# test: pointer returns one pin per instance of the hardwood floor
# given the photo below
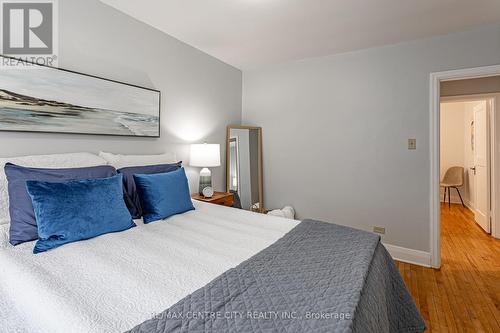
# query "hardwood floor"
(464, 295)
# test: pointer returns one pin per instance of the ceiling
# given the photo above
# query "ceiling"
(253, 33)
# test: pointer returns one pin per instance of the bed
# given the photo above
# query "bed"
(133, 279)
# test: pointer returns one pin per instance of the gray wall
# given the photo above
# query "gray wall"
(200, 94)
(335, 131)
(484, 85)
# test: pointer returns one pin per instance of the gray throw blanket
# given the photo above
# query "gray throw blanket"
(319, 277)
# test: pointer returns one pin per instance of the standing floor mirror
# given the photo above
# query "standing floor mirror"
(244, 166)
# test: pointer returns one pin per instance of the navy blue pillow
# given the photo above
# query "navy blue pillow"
(23, 227)
(77, 210)
(131, 196)
(163, 194)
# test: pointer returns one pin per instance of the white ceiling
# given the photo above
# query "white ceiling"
(251, 33)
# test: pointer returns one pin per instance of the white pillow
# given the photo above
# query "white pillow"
(122, 161)
(71, 160)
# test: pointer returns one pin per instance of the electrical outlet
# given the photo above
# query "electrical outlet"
(379, 230)
(412, 144)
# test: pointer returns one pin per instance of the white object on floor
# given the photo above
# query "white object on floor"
(121, 161)
(113, 282)
(255, 207)
(286, 212)
(71, 160)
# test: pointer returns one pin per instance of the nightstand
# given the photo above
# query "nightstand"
(219, 198)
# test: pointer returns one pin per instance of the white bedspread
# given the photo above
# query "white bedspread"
(115, 281)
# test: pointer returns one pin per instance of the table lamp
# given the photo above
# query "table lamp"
(205, 156)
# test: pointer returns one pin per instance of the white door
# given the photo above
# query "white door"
(481, 170)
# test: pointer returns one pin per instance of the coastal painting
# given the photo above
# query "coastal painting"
(46, 99)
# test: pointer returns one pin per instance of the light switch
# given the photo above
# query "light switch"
(412, 144)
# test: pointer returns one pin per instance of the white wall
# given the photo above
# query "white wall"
(200, 94)
(453, 143)
(335, 131)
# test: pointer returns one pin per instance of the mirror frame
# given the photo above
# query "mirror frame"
(259, 130)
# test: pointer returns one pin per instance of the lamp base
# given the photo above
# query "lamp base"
(205, 179)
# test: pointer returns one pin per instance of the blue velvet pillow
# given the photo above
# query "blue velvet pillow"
(131, 196)
(23, 227)
(77, 210)
(163, 194)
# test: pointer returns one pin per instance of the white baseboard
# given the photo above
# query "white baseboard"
(458, 202)
(410, 256)
(453, 201)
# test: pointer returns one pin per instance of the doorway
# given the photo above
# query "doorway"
(466, 133)
(436, 79)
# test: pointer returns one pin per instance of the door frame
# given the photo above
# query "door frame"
(434, 137)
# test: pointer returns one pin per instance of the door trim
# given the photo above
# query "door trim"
(434, 118)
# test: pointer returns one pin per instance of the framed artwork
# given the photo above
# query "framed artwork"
(36, 98)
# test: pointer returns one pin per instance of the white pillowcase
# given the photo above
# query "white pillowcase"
(4, 236)
(122, 161)
(55, 161)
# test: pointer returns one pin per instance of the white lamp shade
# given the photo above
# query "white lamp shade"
(205, 155)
